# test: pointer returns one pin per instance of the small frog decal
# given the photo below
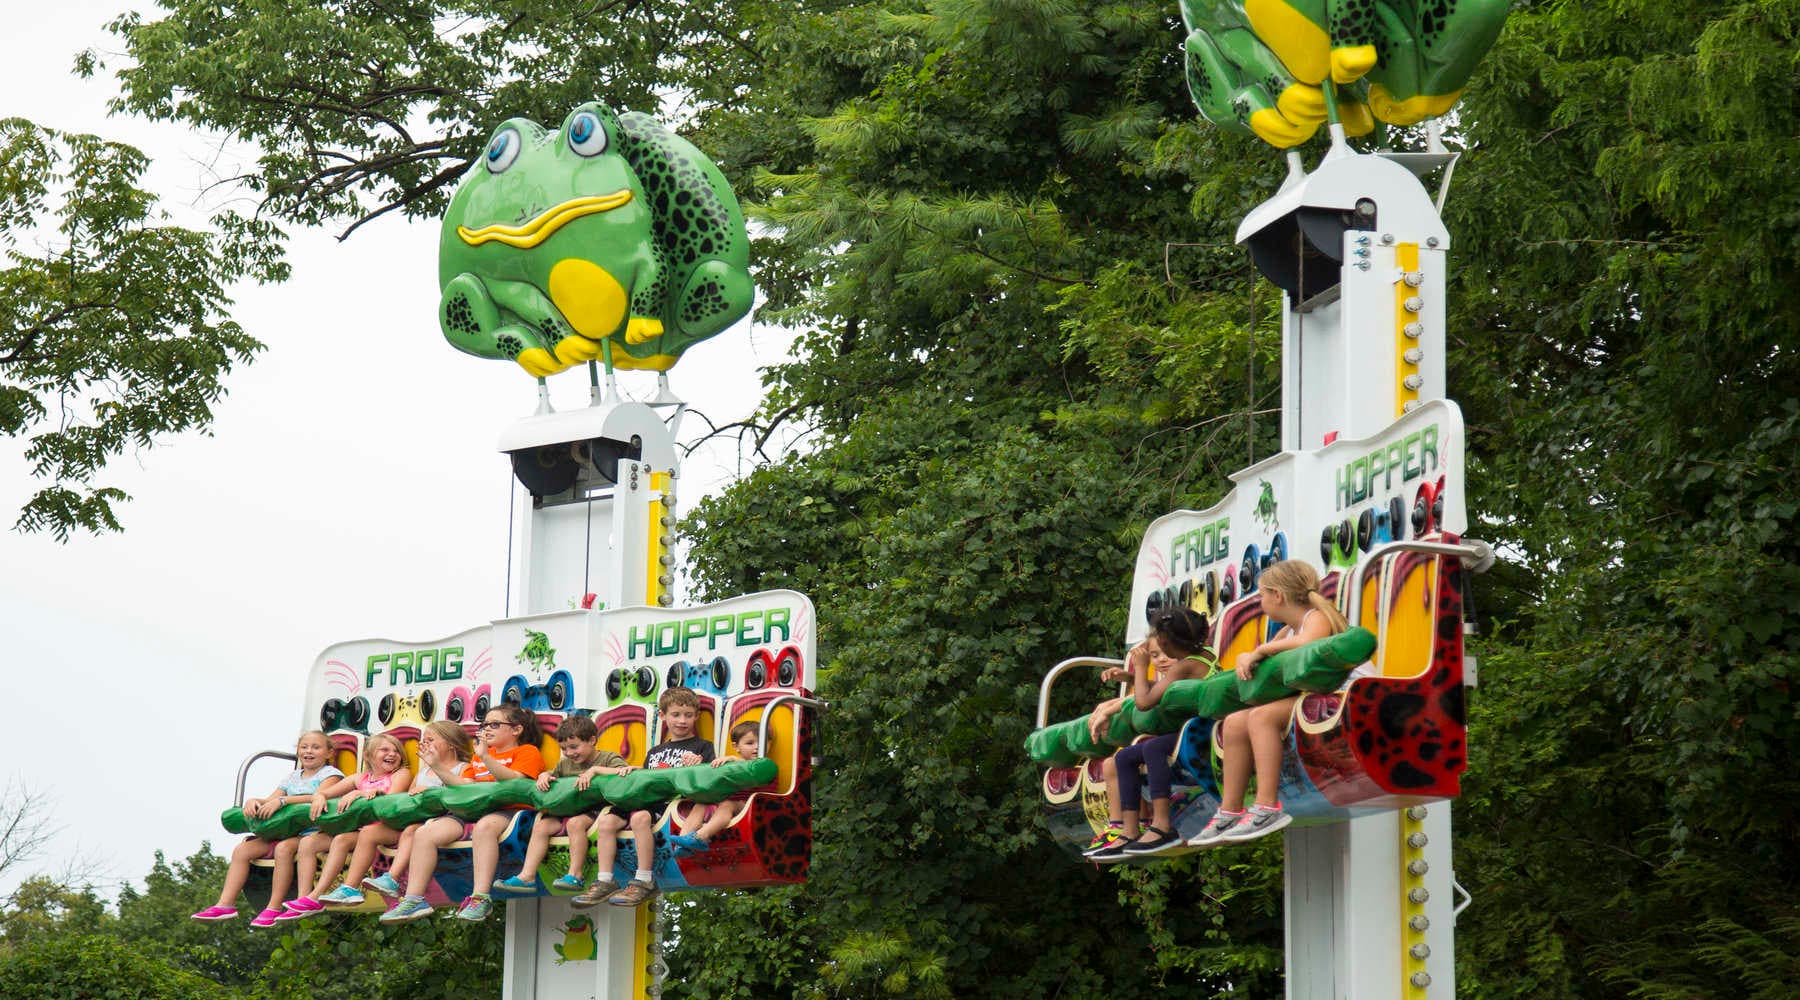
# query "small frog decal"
(1265, 506)
(537, 651)
(579, 941)
(608, 238)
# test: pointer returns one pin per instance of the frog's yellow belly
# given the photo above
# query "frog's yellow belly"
(591, 300)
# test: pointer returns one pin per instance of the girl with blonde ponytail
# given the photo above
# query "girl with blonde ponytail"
(1253, 736)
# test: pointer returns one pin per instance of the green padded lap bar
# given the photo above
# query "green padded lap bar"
(287, 821)
(348, 819)
(1316, 666)
(703, 783)
(473, 801)
(401, 811)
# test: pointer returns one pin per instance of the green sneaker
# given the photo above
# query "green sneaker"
(409, 908)
(475, 908)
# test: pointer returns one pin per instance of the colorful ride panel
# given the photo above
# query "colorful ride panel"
(612, 665)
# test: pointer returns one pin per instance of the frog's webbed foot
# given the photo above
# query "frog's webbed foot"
(475, 324)
(640, 329)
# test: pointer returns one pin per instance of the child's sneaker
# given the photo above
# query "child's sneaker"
(216, 913)
(343, 895)
(633, 894)
(300, 909)
(383, 884)
(1216, 828)
(595, 894)
(409, 908)
(266, 919)
(514, 886)
(475, 908)
(1258, 822)
(686, 844)
(1104, 842)
(567, 884)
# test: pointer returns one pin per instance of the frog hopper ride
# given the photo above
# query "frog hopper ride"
(610, 239)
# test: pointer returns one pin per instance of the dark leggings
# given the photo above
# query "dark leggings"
(1153, 756)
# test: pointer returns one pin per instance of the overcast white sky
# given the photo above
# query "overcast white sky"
(350, 489)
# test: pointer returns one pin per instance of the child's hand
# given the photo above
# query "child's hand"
(1246, 665)
(1111, 674)
(318, 805)
(728, 758)
(543, 782)
(689, 758)
(1139, 656)
(265, 808)
(583, 780)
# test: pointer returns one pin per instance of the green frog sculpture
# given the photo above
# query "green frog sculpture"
(1278, 69)
(610, 238)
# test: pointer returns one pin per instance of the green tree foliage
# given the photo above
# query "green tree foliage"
(1006, 241)
(77, 966)
(113, 332)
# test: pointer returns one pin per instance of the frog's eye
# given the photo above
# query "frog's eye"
(586, 136)
(502, 151)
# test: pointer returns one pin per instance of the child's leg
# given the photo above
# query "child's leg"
(368, 840)
(643, 834)
(718, 821)
(541, 831)
(311, 846)
(403, 850)
(434, 834)
(284, 871)
(1157, 774)
(1268, 726)
(1115, 813)
(1126, 763)
(485, 846)
(606, 842)
(577, 828)
(1234, 750)
(247, 850)
(341, 846)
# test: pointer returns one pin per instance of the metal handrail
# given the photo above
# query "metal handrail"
(1043, 712)
(244, 769)
(762, 729)
(1476, 556)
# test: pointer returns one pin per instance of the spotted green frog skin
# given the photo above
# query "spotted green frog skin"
(609, 237)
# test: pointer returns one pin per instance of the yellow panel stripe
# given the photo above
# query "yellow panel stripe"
(653, 588)
(640, 952)
(1406, 255)
(1409, 965)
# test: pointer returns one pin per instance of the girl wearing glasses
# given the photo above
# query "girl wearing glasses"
(506, 749)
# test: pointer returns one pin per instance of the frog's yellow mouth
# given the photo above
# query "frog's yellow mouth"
(546, 223)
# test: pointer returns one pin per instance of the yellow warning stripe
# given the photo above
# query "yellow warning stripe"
(1406, 255)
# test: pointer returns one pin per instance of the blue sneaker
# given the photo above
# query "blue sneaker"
(515, 886)
(409, 908)
(383, 884)
(475, 908)
(343, 895)
(567, 883)
(685, 844)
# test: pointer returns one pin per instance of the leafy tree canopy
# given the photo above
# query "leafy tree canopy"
(113, 332)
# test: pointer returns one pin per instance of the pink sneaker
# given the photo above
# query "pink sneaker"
(216, 913)
(266, 918)
(304, 904)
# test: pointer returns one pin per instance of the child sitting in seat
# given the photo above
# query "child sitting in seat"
(506, 749)
(384, 771)
(311, 753)
(680, 711)
(442, 744)
(584, 762)
(1290, 595)
(1176, 646)
(711, 819)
